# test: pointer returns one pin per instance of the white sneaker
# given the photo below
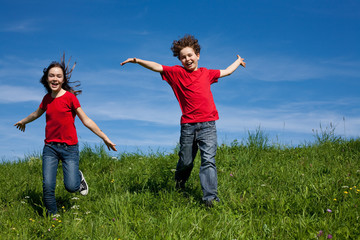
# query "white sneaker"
(84, 188)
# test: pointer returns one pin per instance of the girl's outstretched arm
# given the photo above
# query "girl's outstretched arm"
(153, 66)
(21, 125)
(90, 124)
(230, 69)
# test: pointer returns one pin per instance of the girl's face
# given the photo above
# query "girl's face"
(189, 58)
(55, 79)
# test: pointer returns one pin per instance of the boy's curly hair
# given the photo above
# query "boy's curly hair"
(186, 41)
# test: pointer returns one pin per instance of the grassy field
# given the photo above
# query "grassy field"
(267, 192)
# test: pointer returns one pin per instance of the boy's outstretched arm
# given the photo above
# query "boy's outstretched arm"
(230, 69)
(153, 66)
(90, 124)
(21, 125)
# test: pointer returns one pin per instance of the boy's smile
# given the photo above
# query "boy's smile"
(189, 58)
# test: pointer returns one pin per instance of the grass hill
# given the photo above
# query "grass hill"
(267, 192)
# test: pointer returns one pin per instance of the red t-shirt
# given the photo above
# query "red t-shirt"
(60, 118)
(192, 90)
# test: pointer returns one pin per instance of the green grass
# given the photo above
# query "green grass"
(266, 192)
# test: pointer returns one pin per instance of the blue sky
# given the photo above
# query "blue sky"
(302, 68)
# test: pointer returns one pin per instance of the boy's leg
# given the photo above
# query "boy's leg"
(187, 154)
(49, 169)
(207, 139)
(70, 163)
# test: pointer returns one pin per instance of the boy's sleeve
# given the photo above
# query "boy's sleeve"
(169, 73)
(214, 75)
(166, 73)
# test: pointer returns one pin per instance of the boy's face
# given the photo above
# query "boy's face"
(189, 58)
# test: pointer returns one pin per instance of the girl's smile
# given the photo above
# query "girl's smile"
(55, 79)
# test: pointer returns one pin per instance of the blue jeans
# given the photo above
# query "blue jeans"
(201, 136)
(52, 154)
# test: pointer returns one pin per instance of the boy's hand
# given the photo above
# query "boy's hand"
(242, 63)
(131, 60)
(21, 126)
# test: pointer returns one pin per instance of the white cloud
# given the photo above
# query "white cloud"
(12, 94)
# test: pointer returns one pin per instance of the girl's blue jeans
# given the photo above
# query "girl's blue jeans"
(52, 154)
(201, 136)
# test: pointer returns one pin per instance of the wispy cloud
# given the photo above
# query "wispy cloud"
(284, 68)
(12, 94)
(23, 26)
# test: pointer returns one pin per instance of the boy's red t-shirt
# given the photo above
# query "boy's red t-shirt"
(60, 118)
(192, 90)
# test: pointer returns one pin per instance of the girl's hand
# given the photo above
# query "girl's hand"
(242, 63)
(131, 60)
(110, 145)
(21, 126)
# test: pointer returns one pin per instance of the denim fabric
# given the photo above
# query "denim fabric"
(201, 136)
(52, 154)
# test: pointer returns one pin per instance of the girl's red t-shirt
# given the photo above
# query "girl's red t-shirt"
(193, 92)
(60, 118)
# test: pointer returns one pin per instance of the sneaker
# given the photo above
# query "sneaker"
(84, 188)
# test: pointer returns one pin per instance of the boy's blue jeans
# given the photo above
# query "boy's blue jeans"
(52, 153)
(201, 136)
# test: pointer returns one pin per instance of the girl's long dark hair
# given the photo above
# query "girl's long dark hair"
(67, 75)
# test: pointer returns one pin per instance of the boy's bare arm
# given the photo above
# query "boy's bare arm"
(156, 67)
(230, 69)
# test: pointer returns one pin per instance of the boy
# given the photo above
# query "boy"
(191, 86)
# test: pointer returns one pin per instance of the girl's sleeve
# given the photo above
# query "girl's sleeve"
(44, 103)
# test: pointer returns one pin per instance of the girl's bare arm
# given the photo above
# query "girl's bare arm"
(21, 125)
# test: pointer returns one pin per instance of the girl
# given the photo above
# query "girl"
(61, 142)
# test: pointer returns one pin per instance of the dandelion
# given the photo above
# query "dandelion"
(335, 199)
(59, 221)
(320, 233)
(329, 210)
(53, 225)
(112, 180)
(329, 236)
(345, 192)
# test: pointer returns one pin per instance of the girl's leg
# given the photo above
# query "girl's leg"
(49, 168)
(70, 163)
